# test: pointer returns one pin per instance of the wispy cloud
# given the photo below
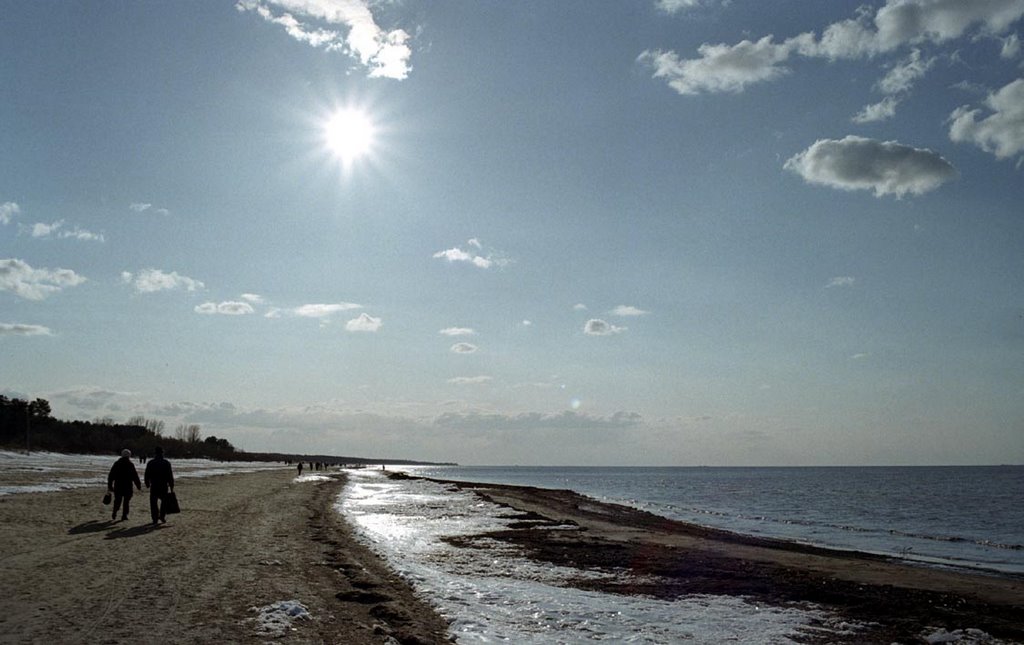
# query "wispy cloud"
(153, 280)
(536, 420)
(628, 310)
(227, 308)
(598, 327)
(457, 331)
(470, 380)
(59, 230)
(254, 298)
(579, 306)
(347, 26)
(18, 277)
(15, 329)
(463, 348)
(675, 6)
(365, 322)
(1001, 133)
(841, 281)
(7, 212)
(885, 167)
(142, 207)
(321, 310)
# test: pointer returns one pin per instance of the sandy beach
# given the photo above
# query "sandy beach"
(265, 540)
(243, 541)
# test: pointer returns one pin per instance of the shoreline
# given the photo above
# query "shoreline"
(894, 600)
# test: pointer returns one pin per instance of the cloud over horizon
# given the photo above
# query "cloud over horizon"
(17, 329)
(227, 308)
(463, 348)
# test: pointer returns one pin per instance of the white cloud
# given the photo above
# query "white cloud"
(457, 331)
(14, 329)
(885, 167)
(1000, 133)
(153, 280)
(254, 298)
(7, 211)
(598, 327)
(320, 23)
(628, 310)
(841, 281)
(323, 310)
(227, 308)
(909, 22)
(469, 380)
(579, 307)
(731, 68)
(455, 254)
(364, 322)
(884, 109)
(34, 284)
(464, 348)
(527, 323)
(721, 68)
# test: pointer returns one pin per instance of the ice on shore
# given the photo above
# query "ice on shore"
(276, 618)
(490, 592)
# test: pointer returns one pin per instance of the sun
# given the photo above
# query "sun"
(349, 134)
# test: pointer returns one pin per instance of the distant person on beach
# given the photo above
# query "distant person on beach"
(120, 481)
(159, 481)
(300, 467)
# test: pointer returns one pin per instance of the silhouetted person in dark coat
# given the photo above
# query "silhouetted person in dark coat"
(120, 481)
(159, 481)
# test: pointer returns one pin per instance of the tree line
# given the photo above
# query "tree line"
(30, 425)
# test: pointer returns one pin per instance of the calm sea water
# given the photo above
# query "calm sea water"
(950, 515)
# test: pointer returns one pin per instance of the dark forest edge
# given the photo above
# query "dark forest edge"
(29, 425)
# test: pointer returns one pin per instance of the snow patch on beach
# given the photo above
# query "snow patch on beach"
(302, 479)
(276, 618)
(491, 592)
(46, 472)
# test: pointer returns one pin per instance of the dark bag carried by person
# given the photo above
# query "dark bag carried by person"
(170, 504)
(106, 497)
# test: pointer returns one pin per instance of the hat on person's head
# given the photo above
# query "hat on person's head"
(126, 453)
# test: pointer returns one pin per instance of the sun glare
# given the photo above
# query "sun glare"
(349, 135)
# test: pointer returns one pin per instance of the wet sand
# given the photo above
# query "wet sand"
(70, 575)
(894, 601)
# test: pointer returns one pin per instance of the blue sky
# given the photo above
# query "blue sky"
(669, 232)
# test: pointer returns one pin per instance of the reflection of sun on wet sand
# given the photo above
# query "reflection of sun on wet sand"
(252, 556)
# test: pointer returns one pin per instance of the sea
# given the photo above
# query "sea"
(957, 517)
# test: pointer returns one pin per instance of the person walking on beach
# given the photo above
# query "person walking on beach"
(300, 468)
(120, 481)
(159, 481)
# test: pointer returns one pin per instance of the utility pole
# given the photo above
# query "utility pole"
(28, 426)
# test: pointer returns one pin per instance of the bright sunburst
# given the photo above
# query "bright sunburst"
(349, 134)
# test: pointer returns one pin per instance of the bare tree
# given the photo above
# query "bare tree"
(187, 432)
(137, 420)
(156, 426)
